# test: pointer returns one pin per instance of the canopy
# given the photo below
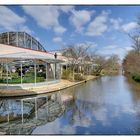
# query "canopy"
(10, 53)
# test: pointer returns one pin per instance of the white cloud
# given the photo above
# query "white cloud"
(66, 8)
(129, 26)
(114, 49)
(59, 29)
(57, 39)
(47, 17)
(99, 25)
(116, 23)
(10, 20)
(80, 18)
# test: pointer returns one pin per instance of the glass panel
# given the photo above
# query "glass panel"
(4, 38)
(39, 47)
(21, 40)
(28, 41)
(34, 44)
(12, 38)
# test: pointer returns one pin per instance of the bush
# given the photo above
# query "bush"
(40, 79)
(41, 74)
(15, 75)
(14, 81)
(29, 74)
(79, 77)
(66, 74)
(24, 80)
(136, 77)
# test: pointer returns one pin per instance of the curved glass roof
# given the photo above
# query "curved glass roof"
(21, 39)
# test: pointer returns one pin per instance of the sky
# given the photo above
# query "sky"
(104, 28)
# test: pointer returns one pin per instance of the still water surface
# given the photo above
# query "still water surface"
(108, 105)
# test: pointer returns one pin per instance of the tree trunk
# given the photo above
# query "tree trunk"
(73, 73)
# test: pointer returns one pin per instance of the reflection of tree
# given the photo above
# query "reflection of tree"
(134, 89)
(85, 106)
(75, 113)
(135, 94)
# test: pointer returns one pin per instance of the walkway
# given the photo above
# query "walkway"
(42, 88)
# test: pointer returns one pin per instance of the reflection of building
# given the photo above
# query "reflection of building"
(23, 115)
(24, 60)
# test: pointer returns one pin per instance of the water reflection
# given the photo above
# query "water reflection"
(109, 105)
(104, 106)
(21, 116)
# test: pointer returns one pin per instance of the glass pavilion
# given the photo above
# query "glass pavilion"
(24, 60)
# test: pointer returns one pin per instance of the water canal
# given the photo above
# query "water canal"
(108, 105)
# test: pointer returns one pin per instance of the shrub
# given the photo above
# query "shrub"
(14, 75)
(24, 80)
(66, 74)
(136, 77)
(41, 74)
(29, 74)
(14, 81)
(79, 77)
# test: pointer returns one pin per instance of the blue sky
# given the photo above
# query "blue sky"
(105, 28)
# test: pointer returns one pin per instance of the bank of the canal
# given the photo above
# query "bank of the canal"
(62, 84)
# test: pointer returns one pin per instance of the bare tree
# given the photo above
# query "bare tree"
(131, 63)
(75, 55)
(135, 42)
(113, 62)
(101, 62)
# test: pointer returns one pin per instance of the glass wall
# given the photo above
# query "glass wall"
(4, 38)
(12, 38)
(28, 42)
(21, 39)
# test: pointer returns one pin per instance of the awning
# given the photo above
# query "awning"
(9, 53)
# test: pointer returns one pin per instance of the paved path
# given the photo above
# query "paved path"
(41, 89)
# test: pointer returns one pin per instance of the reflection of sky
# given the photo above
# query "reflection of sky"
(55, 127)
(113, 120)
(107, 108)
